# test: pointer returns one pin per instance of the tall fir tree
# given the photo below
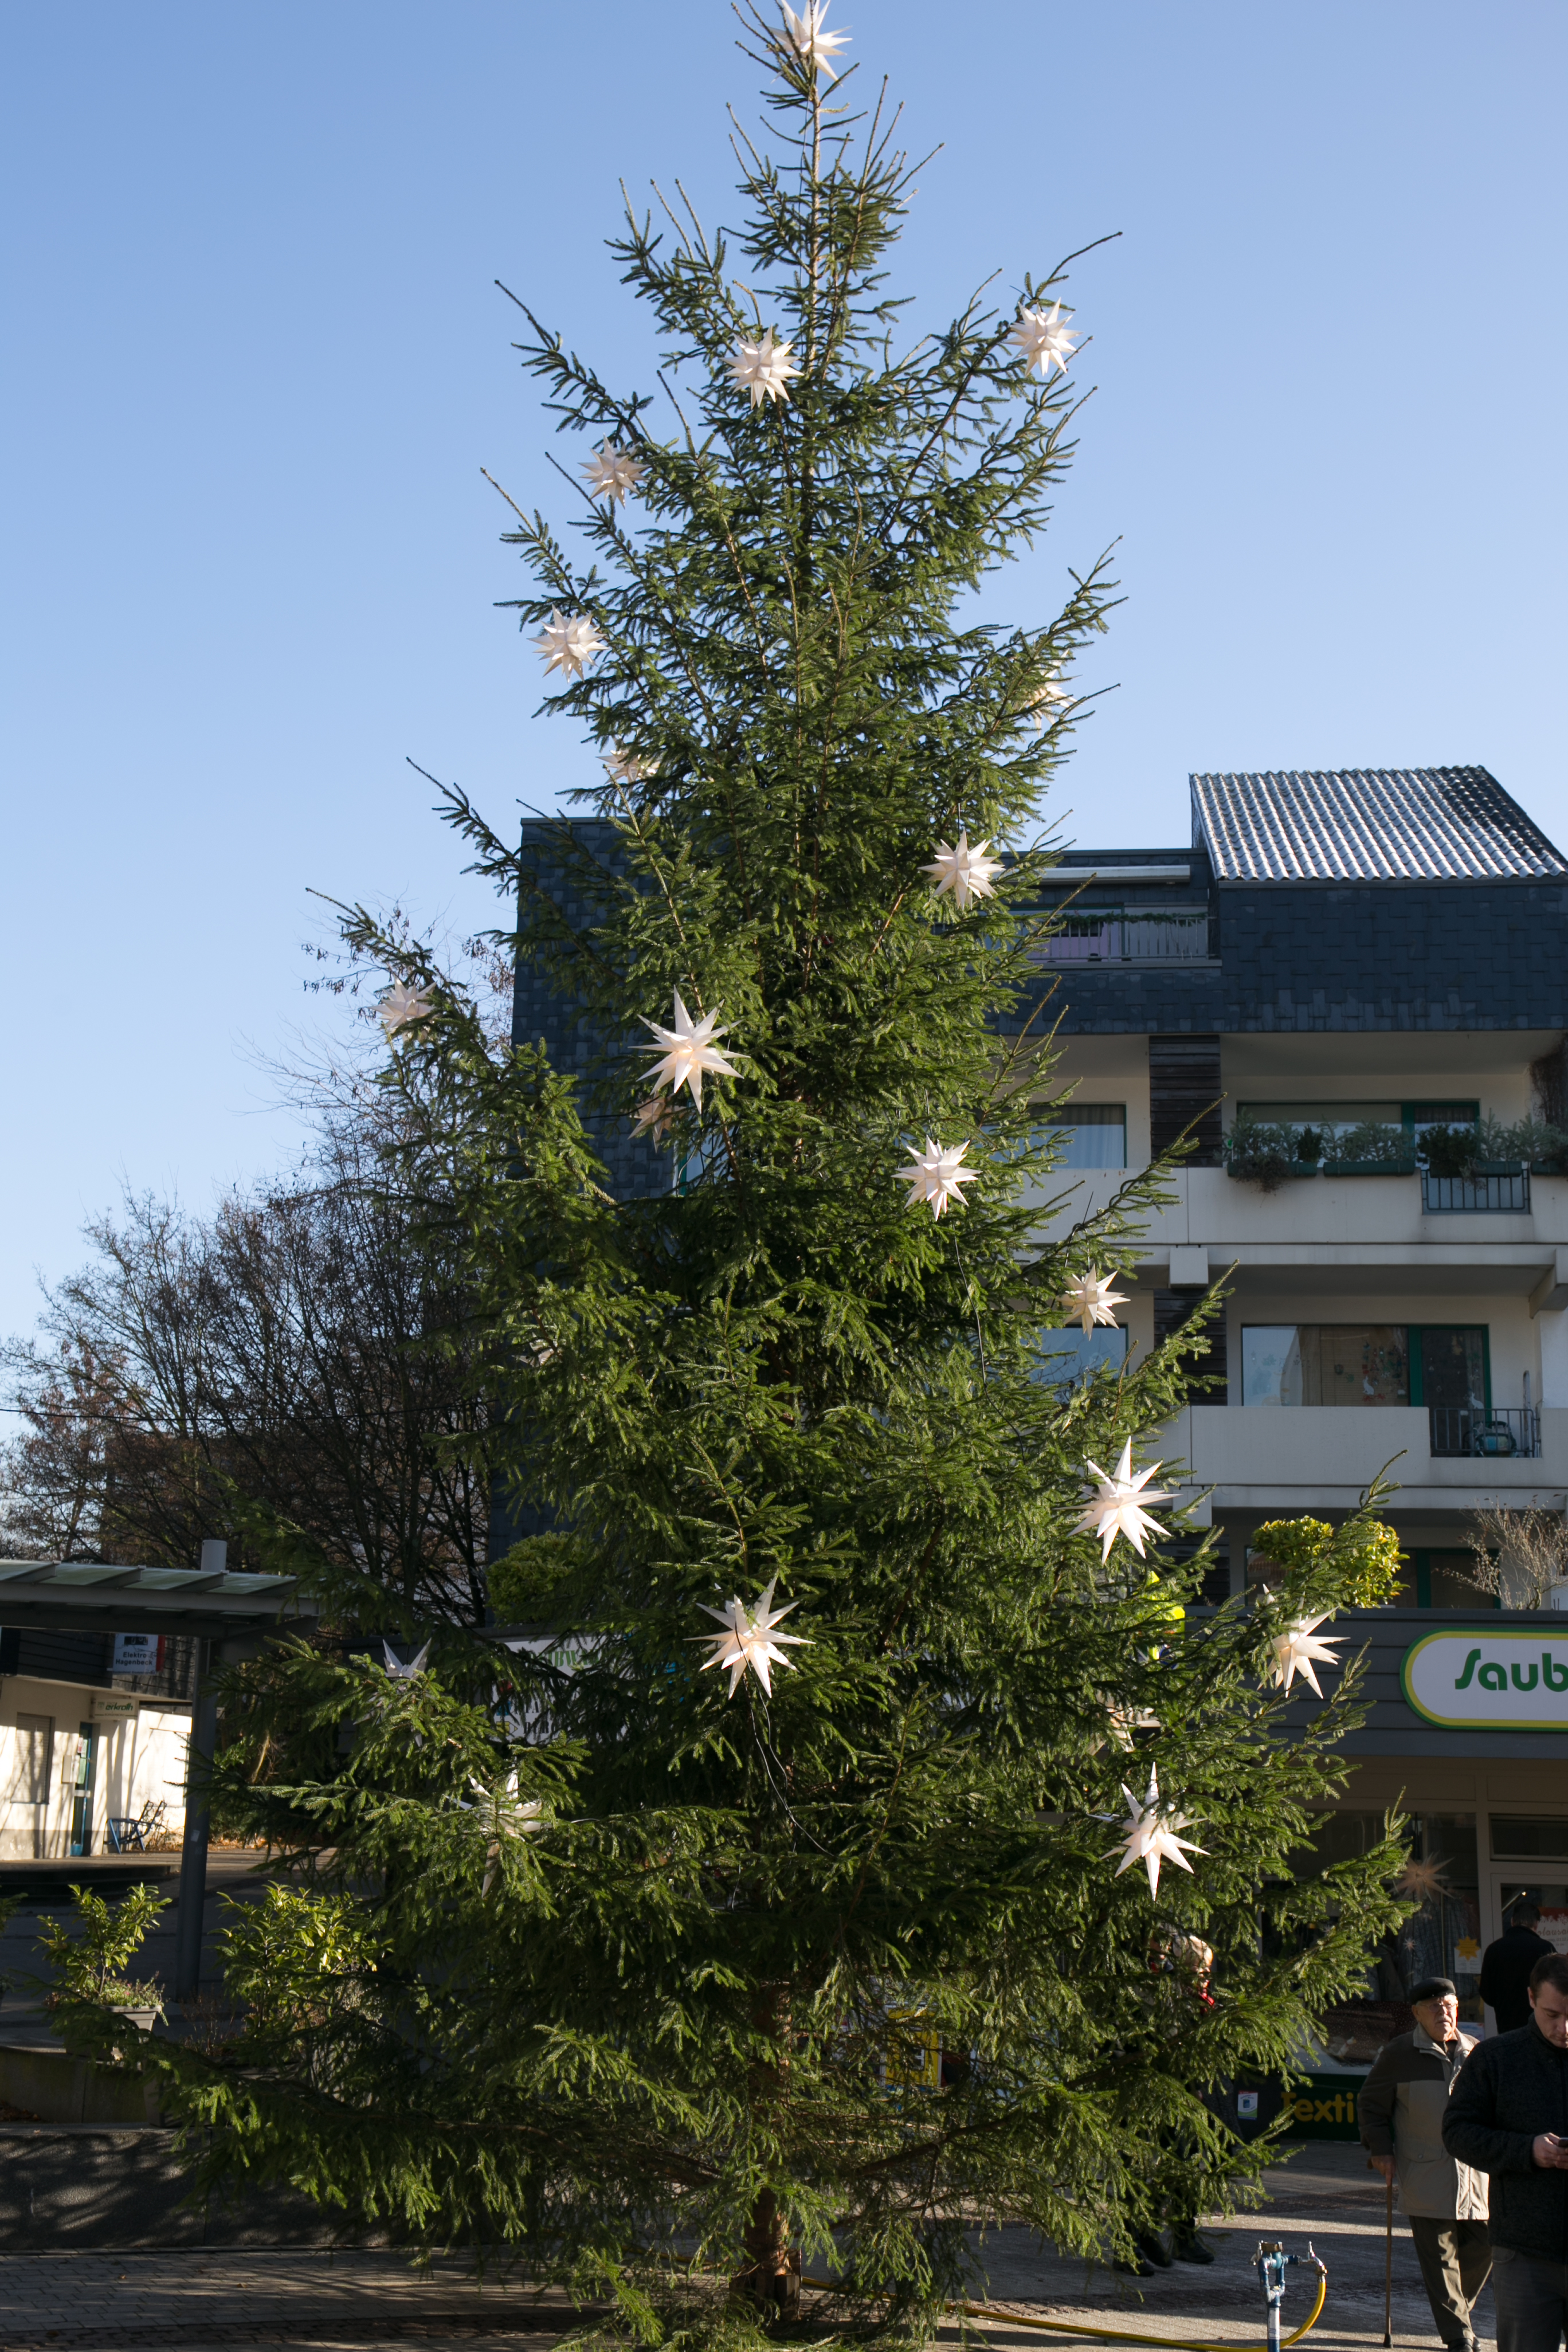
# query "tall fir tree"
(638, 1968)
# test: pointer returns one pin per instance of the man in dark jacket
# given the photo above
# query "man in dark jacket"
(1506, 1965)
(1401, 2107)
(1508, 2116)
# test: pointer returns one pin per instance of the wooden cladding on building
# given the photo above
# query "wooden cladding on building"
(1184, 1092)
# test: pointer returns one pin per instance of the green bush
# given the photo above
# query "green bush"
(527, 1581)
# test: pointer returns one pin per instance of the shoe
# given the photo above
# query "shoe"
(1151, 2248)
(1190, 2246)
(1136, 2268)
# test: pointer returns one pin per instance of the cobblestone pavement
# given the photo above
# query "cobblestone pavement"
(312, 2301)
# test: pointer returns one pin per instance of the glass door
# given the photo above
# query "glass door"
(81, 1799)
(1452, 1379)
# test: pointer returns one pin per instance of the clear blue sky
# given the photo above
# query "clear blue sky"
(257, 360)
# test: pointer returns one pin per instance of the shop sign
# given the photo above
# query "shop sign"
(1479, 1680)
(115, 1707)
(137, 1653)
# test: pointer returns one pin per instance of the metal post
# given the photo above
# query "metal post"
(194, 1851)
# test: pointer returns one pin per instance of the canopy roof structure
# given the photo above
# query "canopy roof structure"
(219, 1604)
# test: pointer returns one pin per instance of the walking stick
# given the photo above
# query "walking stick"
(1388, 2270)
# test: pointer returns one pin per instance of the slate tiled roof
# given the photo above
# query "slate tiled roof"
(1368, 824)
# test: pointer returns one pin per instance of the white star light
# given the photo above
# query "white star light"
(402, 1004)
(613, 473)
(1041, 701)
(629, 767)
(937, 1176)
(749, 1639)
(809, 39)
(1297, 1650)
(688, 1051)
(566, 645)
(967, 872)
(764, 368)
(656, 1117)
(1118, 1508)
(509, 1818)
(1151, 1835)
(1091, 1299)
(1045, 338)
(395, 1668)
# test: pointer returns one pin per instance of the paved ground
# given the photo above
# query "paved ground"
(316, 2302)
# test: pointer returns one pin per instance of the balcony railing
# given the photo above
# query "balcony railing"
(1501, 1433)
(1454, 1196)
(1121, 937)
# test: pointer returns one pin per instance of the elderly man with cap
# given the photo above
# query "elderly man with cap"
(1402, 2105)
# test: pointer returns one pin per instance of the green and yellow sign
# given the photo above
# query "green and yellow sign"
(1478, 1679)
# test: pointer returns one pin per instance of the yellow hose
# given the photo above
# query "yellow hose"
(1123, 2335)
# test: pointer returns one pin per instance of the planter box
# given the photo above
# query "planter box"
(1369, 1168)
(1244, 1174)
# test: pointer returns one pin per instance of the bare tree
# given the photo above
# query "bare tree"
(1520, 1556)
(303, 1348)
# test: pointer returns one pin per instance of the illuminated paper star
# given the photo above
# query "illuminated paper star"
(1423, 1878)
(1152, 1836)
(1091, 1299)
(1045, 338)
(655, 1116)
(967, 872)
(749, 1639)
(764, 368)
(1295, 1650)
(688, 1051)
(1117, 1507)
(937, 1176)
(809, 39)
(509, 1817)
(567, 644)
(395, 1668)
(629, 767)
(400, 1005)
(1042, 702)
(613, 472)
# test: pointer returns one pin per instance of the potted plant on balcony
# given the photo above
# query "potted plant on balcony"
(1267, 1153)
(1374, 1148)
(1453, 1153)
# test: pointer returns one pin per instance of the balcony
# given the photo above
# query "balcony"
(1476, 1196)
(1498, 1433)
(1289, 1459)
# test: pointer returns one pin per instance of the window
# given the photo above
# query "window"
(1067, 1358)
(31, 1758)
(1325, 1363)
(1092, 1135)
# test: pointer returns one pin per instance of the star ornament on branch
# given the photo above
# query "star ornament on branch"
(1091, 1298)
(688, 1051)
(655, 1116)
(569, 643)
(1045, 338)
(1046, 698)
(764, 369)
(396, 1668)
(1151, 1835)
(967, 872)
(629, 767)
(1425, 1878)
(937, 1176)
(1118, 1509)
(751, 1639)
(808, 38)
(612, 472)
(400, 1006)
(1297, 1650)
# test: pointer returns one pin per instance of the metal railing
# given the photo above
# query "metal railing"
(1451, 1196)
(1504, 1430)
(1119, 938)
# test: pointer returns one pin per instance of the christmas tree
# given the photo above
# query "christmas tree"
(832, 1864)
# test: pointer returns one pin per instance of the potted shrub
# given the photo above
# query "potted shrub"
(1374, 1148)
(1266, 1153)
(1454, 1153)
(90, 1953)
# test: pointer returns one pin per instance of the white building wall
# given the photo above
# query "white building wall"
(141, 1758)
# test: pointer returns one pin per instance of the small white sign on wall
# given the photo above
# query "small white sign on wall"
(137, 1654)
(1480, 1679)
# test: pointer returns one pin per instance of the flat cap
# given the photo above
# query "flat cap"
(1432, 1988)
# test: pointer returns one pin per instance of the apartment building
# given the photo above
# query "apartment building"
(1350, 988)
(1340, 987)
